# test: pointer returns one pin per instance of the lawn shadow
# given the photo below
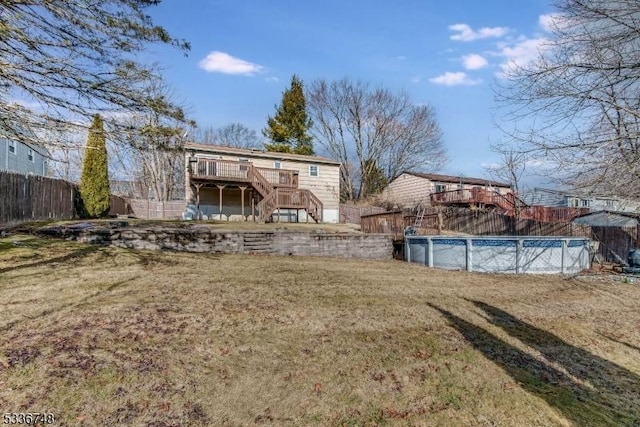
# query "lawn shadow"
(75, 255)
(603, 374)
(626, 344)
(579, 403)
(68, 305)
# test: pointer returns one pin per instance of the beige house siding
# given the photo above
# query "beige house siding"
(408, 191)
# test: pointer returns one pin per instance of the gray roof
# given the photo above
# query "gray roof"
(218, 149)
(608, 219)
(457, 179)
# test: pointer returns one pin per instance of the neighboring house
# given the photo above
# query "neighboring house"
(558, 198)
(413, 188)
(234, 183)
(19, 157)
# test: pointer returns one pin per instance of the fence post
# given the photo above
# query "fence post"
(407, 249)
(564, 256)
(519, 245)
(469, 255)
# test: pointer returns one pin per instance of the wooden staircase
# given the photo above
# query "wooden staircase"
(286, 198)
(291, 198)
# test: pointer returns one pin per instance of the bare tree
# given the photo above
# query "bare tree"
(512, 167)
(64, 61)
(150, 146)
(232, 135)
(582, 95)
(372, 132)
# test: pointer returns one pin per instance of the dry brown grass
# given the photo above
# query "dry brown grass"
(105, 336)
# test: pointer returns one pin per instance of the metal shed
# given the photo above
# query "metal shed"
(608, 219)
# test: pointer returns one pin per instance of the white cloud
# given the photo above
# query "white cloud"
(465, 33)
(474, 61)
(220, 62)
(454, 79)
(551, 21)
(415, 79)
(272, 79)
(522, 53)
(401, 58)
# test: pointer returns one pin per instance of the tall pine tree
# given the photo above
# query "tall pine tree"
(94, 182)
(288, 130)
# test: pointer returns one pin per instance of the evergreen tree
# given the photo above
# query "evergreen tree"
(288, 130)
(94, 182)
(373, 177)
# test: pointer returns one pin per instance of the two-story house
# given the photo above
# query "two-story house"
(559, 198)
(24, 158)
(237, 184)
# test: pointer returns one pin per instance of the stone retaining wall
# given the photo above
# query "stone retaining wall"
(281, 242)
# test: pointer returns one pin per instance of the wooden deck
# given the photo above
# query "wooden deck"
(509, 204)
(477, 196)
(240, 172)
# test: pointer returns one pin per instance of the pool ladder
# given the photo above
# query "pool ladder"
(419, 217)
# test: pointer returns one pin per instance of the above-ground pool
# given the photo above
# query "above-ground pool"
(500, 254)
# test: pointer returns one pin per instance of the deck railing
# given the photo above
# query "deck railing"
(228, 170)
(285, 178)
(225, 170)
(476, 196)
(291, 198)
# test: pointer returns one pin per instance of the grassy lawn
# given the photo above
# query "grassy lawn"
(105, 336)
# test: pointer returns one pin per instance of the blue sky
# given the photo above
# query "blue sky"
(447, 54)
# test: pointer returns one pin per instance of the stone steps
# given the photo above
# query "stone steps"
(258, 242)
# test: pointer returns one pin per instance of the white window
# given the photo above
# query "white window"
(30, 154)
(12, 147)
(441, 188)
(243, 160)
(277, 165)
(585, 203)
(314, 170)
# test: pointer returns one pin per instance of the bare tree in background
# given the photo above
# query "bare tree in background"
(511, 168)
(64, 61)
(150, 146)
(583, 97)
(234, 135)
(374, 133)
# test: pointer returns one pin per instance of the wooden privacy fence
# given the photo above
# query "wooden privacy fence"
(467, 221)
(32, 198)
(350, 214)
(614, 243)
(148, 209)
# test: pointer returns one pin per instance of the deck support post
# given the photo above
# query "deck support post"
(253, 206)
(198, 213)
(220, 187)
(242, 188)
